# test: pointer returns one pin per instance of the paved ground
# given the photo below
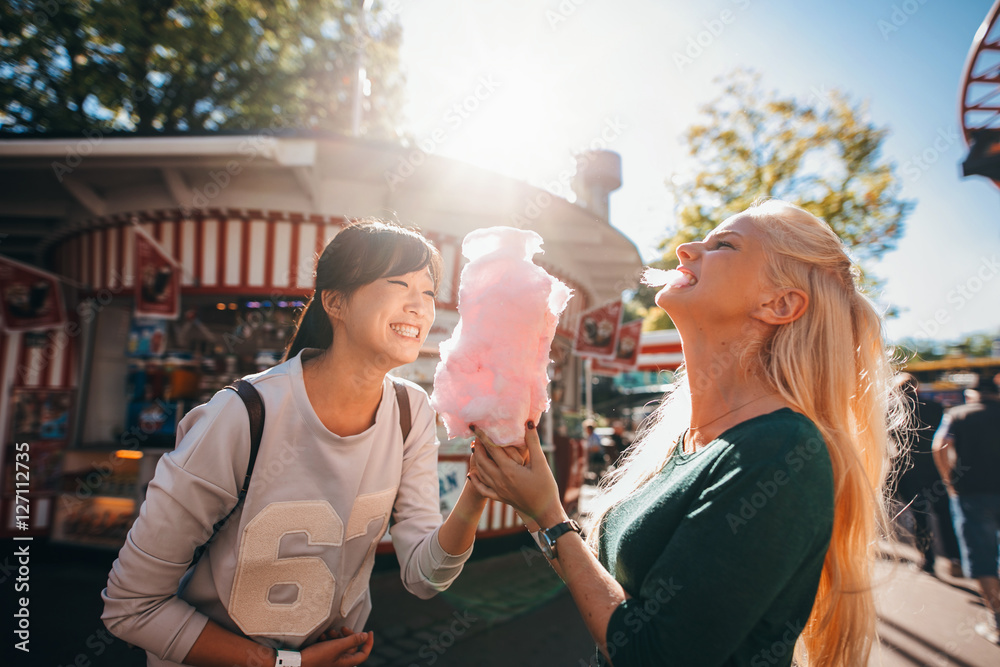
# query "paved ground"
(924, 621)
(502, 603)
(928, 621)
(505, 609)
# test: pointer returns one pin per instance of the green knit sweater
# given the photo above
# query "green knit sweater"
(721, 552)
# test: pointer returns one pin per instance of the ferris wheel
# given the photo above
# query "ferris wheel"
(980, 101)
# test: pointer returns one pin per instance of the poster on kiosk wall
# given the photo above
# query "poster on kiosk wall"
(626, 353)
(157, 279)
(627, 350)
(597, 331)
(30, 299)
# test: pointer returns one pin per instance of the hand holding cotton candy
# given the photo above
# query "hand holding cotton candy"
(492, 371)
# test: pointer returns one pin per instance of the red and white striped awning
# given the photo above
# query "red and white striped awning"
(219, 251)
(660, 350)
(242, 252)
(39, 359)
(36, 360)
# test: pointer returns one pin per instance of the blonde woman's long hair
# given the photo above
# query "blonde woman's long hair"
(831, 365)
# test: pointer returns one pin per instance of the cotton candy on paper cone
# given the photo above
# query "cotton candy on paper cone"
(492, 371)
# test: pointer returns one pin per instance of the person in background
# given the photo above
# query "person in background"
(741, 527)
(618, 442)
(595, 450)
(919, 485)
(967, 453)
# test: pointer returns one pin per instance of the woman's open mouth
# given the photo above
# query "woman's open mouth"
(677, 278)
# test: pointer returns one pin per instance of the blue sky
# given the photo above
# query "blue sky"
(547, 78)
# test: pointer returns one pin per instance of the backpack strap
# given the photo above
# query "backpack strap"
(255, 411)
(403, 400)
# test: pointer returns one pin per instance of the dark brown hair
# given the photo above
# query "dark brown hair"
(359, 254)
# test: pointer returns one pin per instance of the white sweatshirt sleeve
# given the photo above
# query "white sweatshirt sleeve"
(193, 487)
(425, 567)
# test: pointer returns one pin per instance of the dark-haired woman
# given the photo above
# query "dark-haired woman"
(287, 580)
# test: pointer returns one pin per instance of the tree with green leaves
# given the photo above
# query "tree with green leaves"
(197, 65)
(823, 154)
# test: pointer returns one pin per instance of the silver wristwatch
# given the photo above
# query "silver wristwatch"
(547, 538)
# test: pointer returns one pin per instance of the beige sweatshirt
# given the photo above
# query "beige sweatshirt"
(296, 558)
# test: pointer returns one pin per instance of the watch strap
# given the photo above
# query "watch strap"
(288, 659)
(550, 535)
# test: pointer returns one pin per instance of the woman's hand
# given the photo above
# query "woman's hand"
(472, 469)
(519, 455)
(526, 484)
(335, 634)
(339, 649)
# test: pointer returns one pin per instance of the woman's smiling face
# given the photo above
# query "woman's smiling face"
(390, 316)
(726, 275)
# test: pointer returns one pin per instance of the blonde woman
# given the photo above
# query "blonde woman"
(740, 528)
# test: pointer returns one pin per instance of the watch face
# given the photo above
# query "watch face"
(547, 546)
(549, 538)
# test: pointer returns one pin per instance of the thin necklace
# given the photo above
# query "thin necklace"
(709, 423)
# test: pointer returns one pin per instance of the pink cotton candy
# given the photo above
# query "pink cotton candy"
(492, 371)
(659, 277)
(655, 277)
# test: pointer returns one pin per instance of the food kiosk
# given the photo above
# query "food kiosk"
(241, 220)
